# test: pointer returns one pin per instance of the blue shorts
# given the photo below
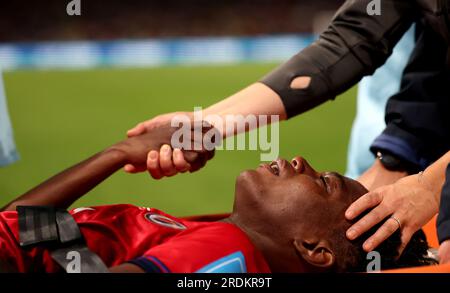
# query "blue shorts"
(373, 93)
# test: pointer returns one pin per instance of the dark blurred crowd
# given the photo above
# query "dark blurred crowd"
(35, 20)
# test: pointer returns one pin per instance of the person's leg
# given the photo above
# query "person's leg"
(373, 93)
(8, 153)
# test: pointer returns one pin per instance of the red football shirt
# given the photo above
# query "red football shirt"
(147, 237)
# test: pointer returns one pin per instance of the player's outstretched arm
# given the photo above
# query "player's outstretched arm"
(66, 187)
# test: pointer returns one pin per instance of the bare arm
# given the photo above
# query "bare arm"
(68, 186)
(434, 176)
(257, 99)
(377, 175)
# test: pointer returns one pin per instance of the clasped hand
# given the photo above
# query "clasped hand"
(152, 150)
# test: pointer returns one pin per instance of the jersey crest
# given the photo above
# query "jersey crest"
(164, 221)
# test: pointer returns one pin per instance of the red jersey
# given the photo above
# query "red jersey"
(147, 237)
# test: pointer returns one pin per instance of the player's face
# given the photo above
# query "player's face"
(291, 196)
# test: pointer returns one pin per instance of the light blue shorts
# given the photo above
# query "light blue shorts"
(373, 93)
(8, 153)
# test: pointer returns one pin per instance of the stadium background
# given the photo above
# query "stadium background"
(75, 84)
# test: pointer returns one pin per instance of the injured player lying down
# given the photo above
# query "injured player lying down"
(287, 217)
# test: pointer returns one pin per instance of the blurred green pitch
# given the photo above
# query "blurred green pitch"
(62, 117)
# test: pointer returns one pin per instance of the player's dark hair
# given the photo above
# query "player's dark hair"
(350, 256)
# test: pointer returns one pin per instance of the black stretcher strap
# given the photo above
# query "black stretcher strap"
(89, 261)
(68, 230)
(37, 225)
(57, 230)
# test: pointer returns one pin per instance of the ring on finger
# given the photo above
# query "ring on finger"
(397, 220)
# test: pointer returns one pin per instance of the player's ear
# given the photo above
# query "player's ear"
(316, 252)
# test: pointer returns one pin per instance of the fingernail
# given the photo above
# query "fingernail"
(166, 148)
(153, 155)
(367, 246)
(351, 234)
(348, 214)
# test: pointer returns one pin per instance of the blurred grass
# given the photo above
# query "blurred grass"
(62, 117)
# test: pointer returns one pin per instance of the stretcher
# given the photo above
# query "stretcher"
(429, 230)
(431, 234)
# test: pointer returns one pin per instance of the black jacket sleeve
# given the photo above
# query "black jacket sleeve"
(418, 116)
(354, 45)
(443, 221)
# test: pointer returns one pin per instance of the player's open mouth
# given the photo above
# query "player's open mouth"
(272, 167)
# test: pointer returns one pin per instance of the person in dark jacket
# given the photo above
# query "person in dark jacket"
(354, 45)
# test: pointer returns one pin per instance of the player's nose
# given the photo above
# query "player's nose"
(301, 166)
